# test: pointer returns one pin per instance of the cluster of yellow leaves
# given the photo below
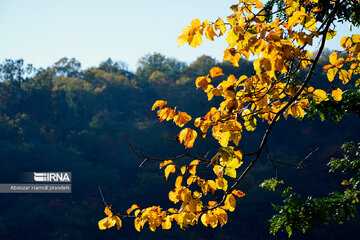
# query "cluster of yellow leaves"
(192, 208)
(167, 113)
(193, 34)
(110, 220)
(348, 66)
(280, 47)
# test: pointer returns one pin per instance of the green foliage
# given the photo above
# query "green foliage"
(270, 184)
(303, 215)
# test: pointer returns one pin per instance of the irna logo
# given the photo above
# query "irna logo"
(52, 177)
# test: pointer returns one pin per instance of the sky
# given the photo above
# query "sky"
(43, 31)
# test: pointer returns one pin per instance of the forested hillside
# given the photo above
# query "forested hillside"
(66, 118)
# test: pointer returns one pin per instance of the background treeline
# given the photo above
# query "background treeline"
(65, 118)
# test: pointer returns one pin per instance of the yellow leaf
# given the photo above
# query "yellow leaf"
(187, 136)
(257, 66)
(319, 95)
(109, 222)
(192, 167)
(183, 38)
(134, 206)
(178, 181)
(343, 75)
(137, 211)
(224, 138)
(164, 163)
(218, 170)
(182, 118)
(230, 203)
(331, 74)
(330, 34)
(202, 82)
(222, 216)
(183, 169)
(191, 179)
(158, 103)
(196, 40)
(337, 94)
(166, 114)
(137, 224)
(195, 23)
(250, 124)
(108, 211)
(259, 4)
(215, 72)
(204, 219)
(333, 58)
(238, 154)
(221, 183)
(232, 38)
(102, 222)
(295, 18)
(219, 24)
(238, 193)
(167, 223)
(210, 32)
(118, 222)
(169, 169)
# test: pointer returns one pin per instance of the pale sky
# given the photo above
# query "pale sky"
(43, 31)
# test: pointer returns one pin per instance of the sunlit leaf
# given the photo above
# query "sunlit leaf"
(182, 118)
(220, 25)
(187, 136)
(134, 206)
(169, 169)
(215, 72)
(337, 94)
(158, 103)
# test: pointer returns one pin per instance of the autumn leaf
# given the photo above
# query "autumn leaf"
(179, 181)
(202, 82)
(238, 193)
(164, 163)
(222, 184)
(320, 95)
(108, 211)
(210, 32)
(133, 207)
(192, 166)
(330, 34)
(191, 34)
(109, 221)
(166, 114)
(182, 118)
(137, 224)
(232, 38)
(220, 25)
(196, 40)
(230, 203)
(187, 136)
(169, 169)
(222, 216)
(337, 94)
(215, 72)
(159, 103)
(331, 74)
(167, 223)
